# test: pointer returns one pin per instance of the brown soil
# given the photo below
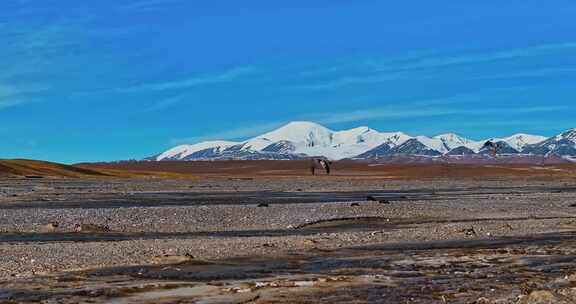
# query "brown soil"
(342, 168)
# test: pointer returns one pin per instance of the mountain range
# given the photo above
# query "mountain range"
(300, 140)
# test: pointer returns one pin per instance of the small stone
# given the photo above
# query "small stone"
(354, 205)
(90, 228)
(263, 205)
(482, 301)
(48, 228)
(173, 259)
(309, 242)
(540, 297)
(469, 231)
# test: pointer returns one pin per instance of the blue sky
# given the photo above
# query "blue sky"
(121, 79)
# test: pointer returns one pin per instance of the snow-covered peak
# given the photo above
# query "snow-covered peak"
(521, 140)
(302, 132)
(256, 144)
(182, 151)
(308, 139)
(356, 136)
(452, 141)
(452, 137)
(395, 138)
(568, 134)
(436, 144)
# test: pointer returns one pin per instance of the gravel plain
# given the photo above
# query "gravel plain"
(51, 229)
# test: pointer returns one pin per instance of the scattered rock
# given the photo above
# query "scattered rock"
(384, 202)
(310, 242)
(90, 228)
(571, 277)
(469, 231)
(354, 205)
(263, 205)
(540, 297)
(48, 228)
(173, 259)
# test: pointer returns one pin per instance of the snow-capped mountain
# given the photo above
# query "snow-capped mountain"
(563, 145)
(187, 151)
(452, 141)
(520, 141)
(298, 140)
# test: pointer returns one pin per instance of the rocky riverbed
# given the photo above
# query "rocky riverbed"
(288, 240)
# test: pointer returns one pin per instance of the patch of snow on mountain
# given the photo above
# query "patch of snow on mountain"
(433, 143)
(521, 140)
(182, 151)
(452, 141)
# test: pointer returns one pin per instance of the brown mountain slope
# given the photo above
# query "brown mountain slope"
(35, 168)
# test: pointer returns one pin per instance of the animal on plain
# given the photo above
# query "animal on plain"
(320, 163)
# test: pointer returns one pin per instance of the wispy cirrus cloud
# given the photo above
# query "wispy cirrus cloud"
(31, 51)
(165, 103)
(530, 73)
(424, 108)
(11, 96)
(244, 133)
(421, 65)
(233, 134)
(146, 5)
(395, 112)
(475, 58)
(194, 81)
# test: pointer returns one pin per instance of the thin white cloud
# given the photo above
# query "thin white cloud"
(146, 5)
(423, 66)
(223, 77)
(437, 62)
(395, 112)
(11, 96)
(412, 109)
(7, 103)
(164, 103)
(533, 73)
(244, 133)
(237, 133)
(374, 78)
